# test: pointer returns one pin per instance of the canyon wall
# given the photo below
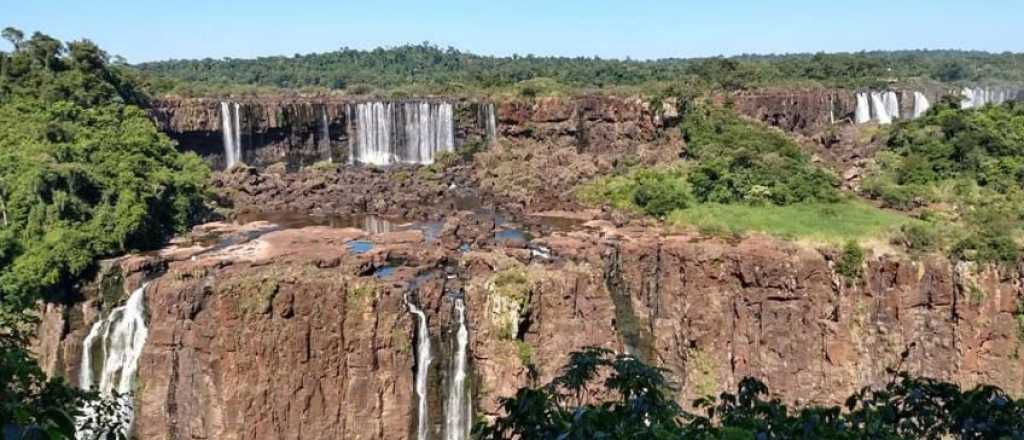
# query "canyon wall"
(299, 131)
(294, 334)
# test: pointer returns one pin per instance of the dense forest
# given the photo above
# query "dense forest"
(426, 68)
(84, 174)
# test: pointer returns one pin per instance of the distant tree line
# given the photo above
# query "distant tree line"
(426, 67)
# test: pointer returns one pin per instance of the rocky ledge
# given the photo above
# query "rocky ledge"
(259, 332)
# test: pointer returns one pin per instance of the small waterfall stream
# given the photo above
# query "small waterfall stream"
(488, 120)
(116, 342)
(325, 134)
(232, 133)
(458, 406)
(422, 369)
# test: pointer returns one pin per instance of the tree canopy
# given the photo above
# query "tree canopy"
(602, 395)
(449, 70)
(84, 174)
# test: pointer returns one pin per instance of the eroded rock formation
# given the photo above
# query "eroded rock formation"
(301, 333)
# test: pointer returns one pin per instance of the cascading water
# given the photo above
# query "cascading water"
(458, 406)
(892, 104)
(118, 341)
(232, 133)
(488, 120)
(325, 134)
(921, 105)
(401, 132)
(377, 225)
(980, 97)
(863, 113)
(879, 110)
(422, 368)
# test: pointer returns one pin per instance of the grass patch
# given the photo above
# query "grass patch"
(830, 223)
(525, 352)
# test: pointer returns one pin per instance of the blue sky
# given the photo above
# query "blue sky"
(146, 30)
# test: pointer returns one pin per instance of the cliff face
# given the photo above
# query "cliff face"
(296, 333)
(263, 331)
(302, 131)
(800, 111)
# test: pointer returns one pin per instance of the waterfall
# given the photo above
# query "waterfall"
(921, 104)
(863, 112)
(892, 104)
(878, 108)
(422, 368)
(488, 120)
(118, 339)
(377, 225)
(402, 132)
(458, 406)
(325, 133)
(232, 133)
(980, 97)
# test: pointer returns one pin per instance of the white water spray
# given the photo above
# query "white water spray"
(458, 406)
(118, 340)
(232, 133)
(422, 368)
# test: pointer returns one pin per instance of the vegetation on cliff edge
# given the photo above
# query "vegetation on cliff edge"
(84, 174)
(961, 171)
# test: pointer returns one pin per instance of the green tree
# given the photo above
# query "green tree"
(84, 174)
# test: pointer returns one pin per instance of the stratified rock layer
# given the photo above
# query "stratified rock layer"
(294, 335)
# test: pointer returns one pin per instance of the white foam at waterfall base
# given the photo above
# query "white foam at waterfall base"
(422, 369)
(863, 112)
(119, 339)
(458, 407)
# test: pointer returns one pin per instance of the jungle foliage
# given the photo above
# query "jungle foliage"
(429, 69)
(960, 167)
(84, 174)
(599, 395)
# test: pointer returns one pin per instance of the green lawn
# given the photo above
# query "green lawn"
(832, 223)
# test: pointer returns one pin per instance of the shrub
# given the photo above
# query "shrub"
(988, 245)
(658, 194)
(741, 161)
(851, 261)
(918, 237)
